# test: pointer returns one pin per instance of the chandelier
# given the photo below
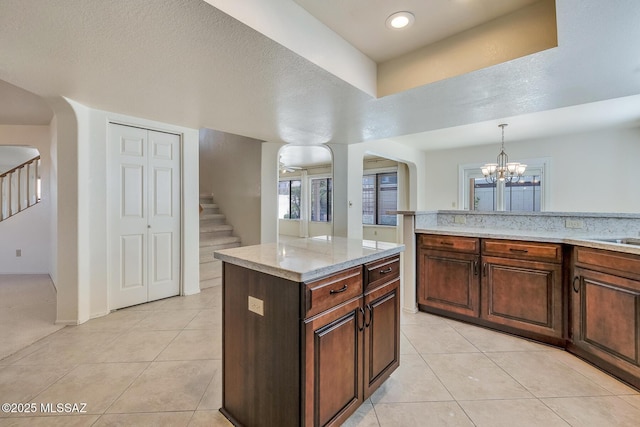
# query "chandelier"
(503, 170)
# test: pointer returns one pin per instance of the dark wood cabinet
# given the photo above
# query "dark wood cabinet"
(522, 288)
(514, 286)
(605, 311)
(333, 364)
(448, 274)
(381, 334)
(308, 354)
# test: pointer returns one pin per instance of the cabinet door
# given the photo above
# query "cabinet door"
(525, 295)
(381, 335)
(606, 318)
(449, 281)
(333, 364)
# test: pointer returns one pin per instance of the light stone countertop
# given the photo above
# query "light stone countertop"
(572, 238)
(307, 259)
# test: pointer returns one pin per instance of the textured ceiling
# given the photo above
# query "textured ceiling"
(187, 63)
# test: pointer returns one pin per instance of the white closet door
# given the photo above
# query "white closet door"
(144, 215)
(164, 215)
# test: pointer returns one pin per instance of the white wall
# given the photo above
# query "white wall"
(588, 172)
(269, 192)
(30, 230)
(230, 170)
(81, 249)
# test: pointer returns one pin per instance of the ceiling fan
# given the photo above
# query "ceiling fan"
(284, 168)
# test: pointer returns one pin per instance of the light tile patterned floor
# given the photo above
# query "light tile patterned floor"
(160, 364)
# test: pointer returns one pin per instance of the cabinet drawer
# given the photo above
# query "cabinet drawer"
(330, 291)
(449, 243)
(550, 252)
(382, 271)
(621, 264)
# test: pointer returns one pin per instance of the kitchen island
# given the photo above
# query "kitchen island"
(311, 327)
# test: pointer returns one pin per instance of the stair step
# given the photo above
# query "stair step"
(218, 240)
(210, 219)
(211, 270)
(206, 252)
(215, 229)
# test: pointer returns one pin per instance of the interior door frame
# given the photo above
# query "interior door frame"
(109, 166)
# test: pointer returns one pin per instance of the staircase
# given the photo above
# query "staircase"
(215, 234)
(19, 188)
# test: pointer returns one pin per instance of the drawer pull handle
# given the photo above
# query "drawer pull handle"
(521, 251)
(337, 291)
(388, 270)
(361, 328)
(475, 268)
(446, 243)
(573, 284)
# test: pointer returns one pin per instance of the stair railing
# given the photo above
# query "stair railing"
(20, 188)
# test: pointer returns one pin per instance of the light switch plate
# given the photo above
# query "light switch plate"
(256, 305)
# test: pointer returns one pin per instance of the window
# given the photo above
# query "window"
(526, 195)
(289, 199)
(321, 199)
(523, 195)
(379, 195)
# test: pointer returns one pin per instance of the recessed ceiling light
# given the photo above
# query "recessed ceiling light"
(400, 20)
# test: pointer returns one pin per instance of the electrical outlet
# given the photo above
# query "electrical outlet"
(18, 252)
(460, 219)
(256, 306)
(574, 223)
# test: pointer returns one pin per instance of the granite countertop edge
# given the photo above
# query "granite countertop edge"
(586, 240)
(311, 274)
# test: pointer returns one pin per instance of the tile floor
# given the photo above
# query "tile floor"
(160, 364)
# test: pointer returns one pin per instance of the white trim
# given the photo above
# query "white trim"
(366, 172)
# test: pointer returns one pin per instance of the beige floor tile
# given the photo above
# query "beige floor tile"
(601, 411)
(544, 376)
(405, 345)
(167, 386)
(437, 338)
(193, 345)
(165, 320)
(488, 340)
(604, 380)
(173, 419)
(61, 421)
(473, 376)
(420, 318)
(20, 383)
(510, 413)
(137, 346)
(212, 399)
(69, 348)
(206, 319)
(201, 301)
(413, 381)
(209, 419)
(632, 400)
(431, 414)
(98, 385)
(118, 321)
(365, 416)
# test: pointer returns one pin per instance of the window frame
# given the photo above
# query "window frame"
(376, 172)
(299, 179)
(329, 197)
(540, 167)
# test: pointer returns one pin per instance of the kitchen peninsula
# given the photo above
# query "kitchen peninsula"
(311, 328)
(567, 279)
